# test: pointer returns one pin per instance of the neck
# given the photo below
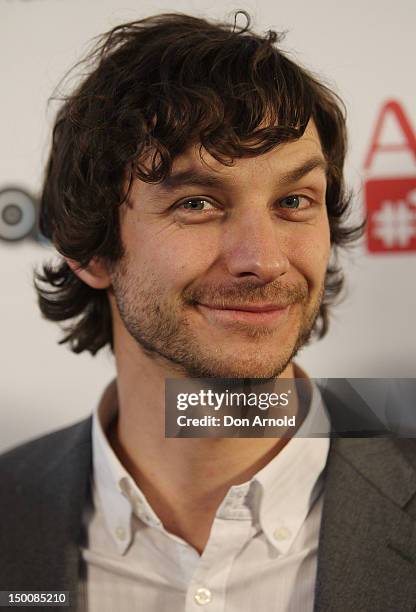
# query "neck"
(183, 479)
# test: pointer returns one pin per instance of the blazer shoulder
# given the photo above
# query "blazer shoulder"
(40, 454)
(45, 485)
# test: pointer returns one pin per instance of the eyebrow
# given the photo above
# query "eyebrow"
(198, 178)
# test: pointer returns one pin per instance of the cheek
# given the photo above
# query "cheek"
(309, 252)
(174, 259)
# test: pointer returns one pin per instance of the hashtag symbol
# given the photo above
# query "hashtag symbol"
(395, 224)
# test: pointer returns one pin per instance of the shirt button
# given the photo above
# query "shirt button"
(121, 533)
(202, 596)
(281, 533)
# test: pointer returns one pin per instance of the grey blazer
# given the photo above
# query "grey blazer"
(367, 546)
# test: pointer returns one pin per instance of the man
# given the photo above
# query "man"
(195, 193)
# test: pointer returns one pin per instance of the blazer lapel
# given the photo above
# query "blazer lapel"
(40, 542)
(367, 548)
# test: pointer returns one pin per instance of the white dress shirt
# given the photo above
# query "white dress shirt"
(262, 549)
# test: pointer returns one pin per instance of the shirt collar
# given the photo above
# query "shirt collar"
(284, 491)
(114, 489)
(278, 497)
(109, 474)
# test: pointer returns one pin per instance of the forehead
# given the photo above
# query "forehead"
(286, 163)
(283, 155)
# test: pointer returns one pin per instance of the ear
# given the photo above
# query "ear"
(95, 274)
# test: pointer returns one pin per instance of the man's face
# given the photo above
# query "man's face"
(203, 251)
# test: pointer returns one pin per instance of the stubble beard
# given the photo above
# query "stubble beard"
(163, 331)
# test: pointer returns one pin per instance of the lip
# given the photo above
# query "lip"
(264, 314)
(248, 307)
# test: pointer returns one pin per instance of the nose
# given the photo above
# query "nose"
(253, 247)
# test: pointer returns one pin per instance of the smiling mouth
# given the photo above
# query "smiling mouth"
(247, 307)
(264, 314)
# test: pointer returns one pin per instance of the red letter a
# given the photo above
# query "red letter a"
(395, 108)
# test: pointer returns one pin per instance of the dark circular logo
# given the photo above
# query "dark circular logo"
(12, 214)
(17, 214)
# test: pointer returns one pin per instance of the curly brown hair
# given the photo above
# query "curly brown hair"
(154, 87)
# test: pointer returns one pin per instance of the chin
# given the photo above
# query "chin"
(241, 369)
(260, 372)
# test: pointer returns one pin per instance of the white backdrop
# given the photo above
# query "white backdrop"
(366, 52)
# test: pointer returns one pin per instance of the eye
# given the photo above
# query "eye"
(195, 204)
(294, 202)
